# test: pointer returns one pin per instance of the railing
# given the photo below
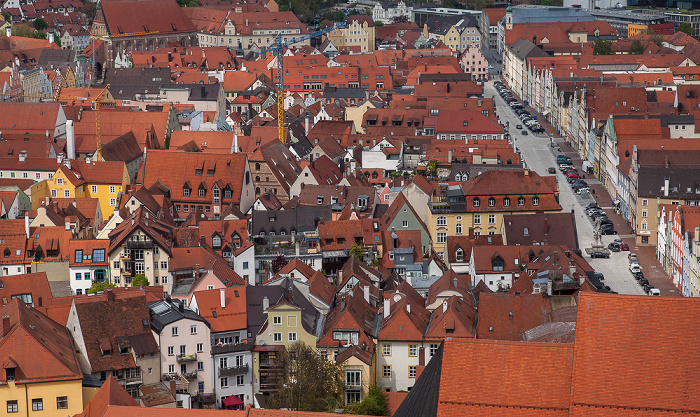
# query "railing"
(131, 380)
(236, 370)
(563, 286)
(186, 357)
(190, 375)
(125, 271)
(231, 348)
(182, 385)
(139, 244)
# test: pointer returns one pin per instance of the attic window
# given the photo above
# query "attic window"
(210, 173)
(465, 123)
(198, 172)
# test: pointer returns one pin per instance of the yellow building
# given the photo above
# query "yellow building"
(41, 375)
(359, 368)
(359, 34)
(79, 179)
(481, 202)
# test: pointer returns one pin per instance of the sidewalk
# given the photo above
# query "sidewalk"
(652, 269)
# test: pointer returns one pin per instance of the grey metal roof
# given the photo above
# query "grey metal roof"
(544, 14)
(523, 48)
(165, 312)
(681, 180)
(422, 399)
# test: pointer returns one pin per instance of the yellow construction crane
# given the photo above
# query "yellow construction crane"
(96, 102)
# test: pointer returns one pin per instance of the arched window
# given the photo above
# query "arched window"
(492, 201)
(506, 201)
(535, 201)
(257, 178)
(257, 190)
(150, 45)
(375, 175)
(458, 228)
(521, 201)
(161, 43)
(216, 241)
(475, 201)
(459, 255)
(497, 264)
(442, 221)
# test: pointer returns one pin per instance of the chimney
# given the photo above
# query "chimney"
(545, 226)
(572, 269)
(479, 102)
(70, 140)
(444, 306)
(173, 391)
(366, 291)
(421, 356)
(667, 184)
(26, 224)
(170, 56)
(59, 158)
(342, 304)
(5, 325)
(408, 308)
(265, 304)
(51, 38)
(549, 286)
(181, 306)
(340, 276)
(306, 124)
(88, 159)
(235, 142)
(110, 295)
(387, 307)
(297, 248)
(8, 31)
(222, 293)
(22, 156)
(449, 156)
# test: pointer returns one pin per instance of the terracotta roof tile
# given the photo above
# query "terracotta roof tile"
(232, 316)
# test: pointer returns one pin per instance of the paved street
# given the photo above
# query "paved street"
(539, 155)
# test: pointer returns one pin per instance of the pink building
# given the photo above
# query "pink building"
(475, 63)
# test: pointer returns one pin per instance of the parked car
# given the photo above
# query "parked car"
(624, 246)
(632, 257)
(655, 291)
(643, 281)
(647, 288)
(524, 132)
(598, 254)
(635, 267)
(518, 126)
(610, 231)
(552, 170)
(614, 247)
(639, 275)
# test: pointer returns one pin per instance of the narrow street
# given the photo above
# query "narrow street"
(538, 155)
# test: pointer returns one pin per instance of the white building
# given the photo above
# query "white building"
(387, 12)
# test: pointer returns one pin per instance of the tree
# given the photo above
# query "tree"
(278, 263)
(636, 48)
(357, 251)
(602, 47)
(7, 16)
(658, 39)
(99, 287)
(686, 28)
(547, 2)
(432, 168)
(310, 382)
(40, 24)
(378, 24)
(374, 404)
(189, 3)
(140, 280)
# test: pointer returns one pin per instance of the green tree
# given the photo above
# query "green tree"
(99, 287)
(686, 28)
(378, 23)
(432, 168)
(309, 381)
(7, 16)
(189, 3)
(357, 251)
(140, 280)
(636, 48)
(40, 24)
(602, 47)
(547, 3)
(374, 404)
(658, 39)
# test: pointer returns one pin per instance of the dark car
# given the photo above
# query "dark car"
(607, 231)
(643, 281)
(598, 254)
(524, 132)
(647, 288)
(614, 247)
(518, 126)
(552, 170)
(639, 275)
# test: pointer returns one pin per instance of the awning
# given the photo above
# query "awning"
(231, 401)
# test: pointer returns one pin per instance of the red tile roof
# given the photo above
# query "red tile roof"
(231, 317)
(110, 394)
(160, 16)
(506, 316)
(407, 320)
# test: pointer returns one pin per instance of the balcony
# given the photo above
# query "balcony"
(182, 385)
(139, 244)
(236, 370)
(190, 375)
(231, 348)
(125, 271)
(186, 357)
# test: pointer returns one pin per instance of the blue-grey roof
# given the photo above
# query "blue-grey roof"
(543, 14)
(164, 312)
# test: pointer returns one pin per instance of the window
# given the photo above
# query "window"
(193, 329)
(412, 371)
(59, 181)
(276, 337)
(200, 366)
(98, 255)
(223, 363)
(521, 201)
(239, 380)
(442, 221)
(171, 369)
(475, 202)
(12, 406)
(644, 213)
(78, 258)
(78, 276)
(245, 265)
(412, 350)
(492, 202)
(458, 228)
(644, 226)
(54, 194)
(441, 237)
(93, 189)
(506, 201)
(224, 382)
(61, 402)
(185, 192)
(66, 193)
(112, 189)
(645, 202)
(113, 202)
(386, 371)
(163, 264)
(292, 336)
(175, 331)
(386, 349)
(433, 349)
(202, 192)
(497, 264)
(277, 320)
(492, 219)
(404, 223)
(171, 350)
(535, 201)
(37, 404)
(477, 219)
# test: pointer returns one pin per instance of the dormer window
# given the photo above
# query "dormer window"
(535, 201)
(475, 202)
(319, 200)
(202, 192)
(492, 202)
(521, 201)
(497, 264)
(459, 255)
(185, 191)
(216, 241)
(506, 201)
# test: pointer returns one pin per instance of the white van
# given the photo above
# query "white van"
(655, 291)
